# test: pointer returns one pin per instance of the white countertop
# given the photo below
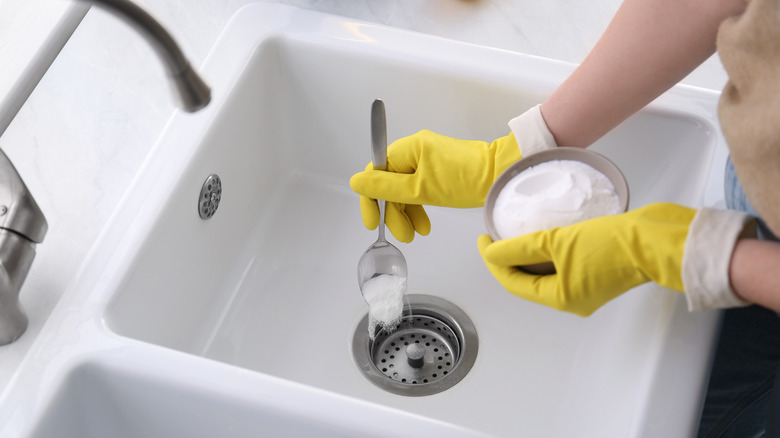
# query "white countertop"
(86, 129)
(31, 34)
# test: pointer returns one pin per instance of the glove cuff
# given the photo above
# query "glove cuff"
(707, 256)
(531, 132)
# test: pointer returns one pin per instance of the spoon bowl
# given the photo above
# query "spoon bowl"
(381, 258)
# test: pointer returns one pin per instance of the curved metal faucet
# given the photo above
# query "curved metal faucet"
(22, 224)
(190, 89)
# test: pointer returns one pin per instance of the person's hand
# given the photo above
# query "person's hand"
(431, 169)
(599, 259)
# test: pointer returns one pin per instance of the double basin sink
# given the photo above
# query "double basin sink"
(242, 324)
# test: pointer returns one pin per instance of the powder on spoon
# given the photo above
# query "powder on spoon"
(553, 194)
(385, 297)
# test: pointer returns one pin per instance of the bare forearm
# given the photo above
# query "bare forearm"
(755, 272)
(648, 47)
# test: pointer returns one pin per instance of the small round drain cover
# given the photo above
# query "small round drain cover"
(210, 195)
(432, 349)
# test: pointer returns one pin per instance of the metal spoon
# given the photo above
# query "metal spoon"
(381, 258)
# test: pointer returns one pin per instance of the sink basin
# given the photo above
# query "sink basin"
(248, 317)
(104, 400)
(118, 397)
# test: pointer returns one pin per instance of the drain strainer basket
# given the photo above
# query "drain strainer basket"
(432, 349)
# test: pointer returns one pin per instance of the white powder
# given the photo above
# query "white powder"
(385, 297)
(553, 194)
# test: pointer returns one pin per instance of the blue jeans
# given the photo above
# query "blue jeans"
(743, 394)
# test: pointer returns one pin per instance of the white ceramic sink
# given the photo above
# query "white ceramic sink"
(244, 322)
(115, 395)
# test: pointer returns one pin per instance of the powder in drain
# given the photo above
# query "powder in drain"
(385, 297)
(553, 194)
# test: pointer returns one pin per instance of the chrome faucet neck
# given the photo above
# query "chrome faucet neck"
(191, 91)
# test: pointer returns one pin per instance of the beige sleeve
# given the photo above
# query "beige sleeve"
(707, 256)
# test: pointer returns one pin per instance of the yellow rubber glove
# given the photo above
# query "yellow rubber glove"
(595, 260)
(432, 169)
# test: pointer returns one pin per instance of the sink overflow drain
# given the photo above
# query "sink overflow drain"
(210, 195)
(432, 349)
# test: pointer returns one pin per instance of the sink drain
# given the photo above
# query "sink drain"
(432, 349)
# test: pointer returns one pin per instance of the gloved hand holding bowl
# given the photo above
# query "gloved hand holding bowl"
(576, 266)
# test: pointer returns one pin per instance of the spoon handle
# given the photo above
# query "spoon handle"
(378, 135)
(379, 151)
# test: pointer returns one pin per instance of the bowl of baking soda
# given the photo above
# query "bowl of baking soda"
(550, 189)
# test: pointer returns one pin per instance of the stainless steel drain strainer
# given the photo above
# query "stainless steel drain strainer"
(433, 348)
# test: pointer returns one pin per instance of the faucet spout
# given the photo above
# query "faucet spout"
(190, 89)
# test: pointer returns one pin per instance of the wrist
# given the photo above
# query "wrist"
(753, 272)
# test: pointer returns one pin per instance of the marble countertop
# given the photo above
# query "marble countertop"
(85, 130)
